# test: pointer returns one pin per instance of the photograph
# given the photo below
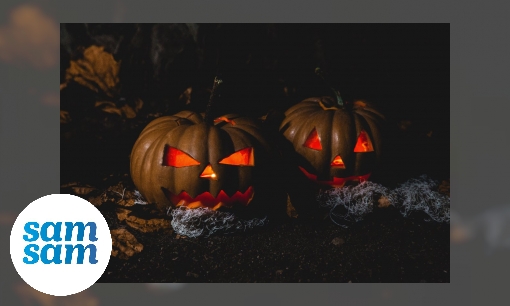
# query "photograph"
(261, 153)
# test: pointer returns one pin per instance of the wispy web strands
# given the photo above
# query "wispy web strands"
(352, 203)
(205, 222)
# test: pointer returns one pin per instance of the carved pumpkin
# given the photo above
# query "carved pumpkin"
(182, 160)
(335, 142)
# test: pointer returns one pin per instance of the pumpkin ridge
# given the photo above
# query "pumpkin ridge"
(290, 113)
(326, 156)
(253, 132)
(373, 111)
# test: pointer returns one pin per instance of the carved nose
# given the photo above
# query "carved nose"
(338, 162)
(208, 173)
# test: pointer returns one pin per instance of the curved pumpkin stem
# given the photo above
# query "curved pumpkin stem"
(209, 118)
(320, 73)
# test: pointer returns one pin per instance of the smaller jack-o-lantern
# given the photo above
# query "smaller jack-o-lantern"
(183, 160)
(336, 142)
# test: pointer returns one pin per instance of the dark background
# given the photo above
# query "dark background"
(401, 68)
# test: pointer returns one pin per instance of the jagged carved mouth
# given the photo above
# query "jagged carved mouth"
(337, 181)
(206, 199)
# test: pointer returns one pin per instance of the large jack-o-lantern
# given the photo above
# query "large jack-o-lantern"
(182, 160)
(337, 142)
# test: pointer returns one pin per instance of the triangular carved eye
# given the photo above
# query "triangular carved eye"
(243, 157)
(364, 144)
(176, 158)
(338, 162)
(313, 141)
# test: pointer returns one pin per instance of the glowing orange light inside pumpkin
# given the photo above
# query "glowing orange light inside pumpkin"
(208, 173)
(176, 158)
(206, 199)
(338, 162)
(243, 157)
(363, 144)
(313, 141)
(337, 181)
(225, 119)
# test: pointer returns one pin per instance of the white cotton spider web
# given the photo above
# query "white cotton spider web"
(205, 222)
(139, 199)
(420, 195)
(352, 203)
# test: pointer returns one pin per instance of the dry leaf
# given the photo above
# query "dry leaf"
(338, 241)
(291, 211)
(98, 200)
(69, 185)
(383, 202)
(444, 188)
(186, 96)
(141, 224)
(97, 71)
(83, 190)
(108, 107)
(126, 110)
(64, 117)
(125, 244)
(30, 296)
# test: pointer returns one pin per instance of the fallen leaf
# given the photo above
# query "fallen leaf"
(125, 244)
(97, 70)
(108, 107)
(64, 117)
(83, 190)
(383, 202)
(186, 96)
(291, 211)
(98, 200)
(444, 187)
(69, 185)
(338, 241)
(128, 111)
(141, 224)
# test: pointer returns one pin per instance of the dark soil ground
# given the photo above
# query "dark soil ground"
(385, 247)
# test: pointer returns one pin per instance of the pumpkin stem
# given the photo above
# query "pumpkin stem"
(320, 74)
(209, 117)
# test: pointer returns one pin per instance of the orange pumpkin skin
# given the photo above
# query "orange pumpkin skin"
(181, 160)
(333, 144)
